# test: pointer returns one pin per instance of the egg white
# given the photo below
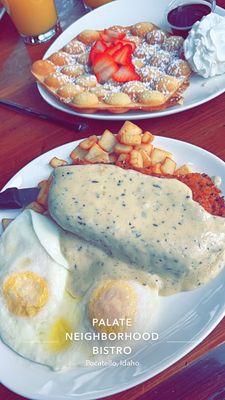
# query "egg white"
(33, 243)
(20, 250)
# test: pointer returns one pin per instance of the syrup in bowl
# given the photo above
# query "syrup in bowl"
(182, 15)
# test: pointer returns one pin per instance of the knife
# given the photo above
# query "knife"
(77, 126)
(14, 198)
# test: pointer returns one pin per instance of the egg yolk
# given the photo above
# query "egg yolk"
(25, 293)
(57, 340)
(113, 300)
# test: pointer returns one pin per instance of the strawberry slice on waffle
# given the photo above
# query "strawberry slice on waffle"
(99, 47)
(126, 73)
(104, 67)
(123, 55)
(111, 57)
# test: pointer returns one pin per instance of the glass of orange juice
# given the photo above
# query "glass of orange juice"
(90, 4)
(36, 20)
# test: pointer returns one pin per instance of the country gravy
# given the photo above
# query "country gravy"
(129, 224)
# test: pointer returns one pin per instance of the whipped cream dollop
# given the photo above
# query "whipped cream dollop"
(204, 47)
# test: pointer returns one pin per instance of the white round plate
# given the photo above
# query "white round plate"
(121, 12)
(185, 319)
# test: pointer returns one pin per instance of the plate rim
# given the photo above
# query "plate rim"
(145, 376)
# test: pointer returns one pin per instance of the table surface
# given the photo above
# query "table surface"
(23, 138)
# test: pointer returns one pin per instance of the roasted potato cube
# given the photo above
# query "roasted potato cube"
(78, 154)
(183, 170)
(147, 162)
(56, 162)
(147, 147)
(42, 183)
(122, 148)
(86, 144)
(169, 166)
(130, 134)
(156, 168)
(136, 159)
(130, 138)
(130, 127)
(35, 206)
(112, 158)
(43, 193)
(159, 155)
(97, 155)
(147, 137)
(107, 141)
(6, 222)
(123, 157)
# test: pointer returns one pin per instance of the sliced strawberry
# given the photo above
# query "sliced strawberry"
(104, 67)
(124, 41)
(113, 49)
(97, 48)
(107, 39)
(123, 55)
(126, 73)
(114, 34)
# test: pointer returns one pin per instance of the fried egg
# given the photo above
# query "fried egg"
(117, 300)
(41, 307)
(35, 309)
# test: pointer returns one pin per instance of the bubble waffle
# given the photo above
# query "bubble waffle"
(78, 76)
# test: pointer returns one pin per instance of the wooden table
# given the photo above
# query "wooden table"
(23, 138)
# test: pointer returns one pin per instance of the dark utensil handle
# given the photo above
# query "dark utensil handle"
(77, 126)
(10, 199)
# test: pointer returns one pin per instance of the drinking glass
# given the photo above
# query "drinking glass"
(196, 14)
(35, 20)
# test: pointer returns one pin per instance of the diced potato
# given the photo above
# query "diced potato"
(107, 141)
(147, 162)
(147, 137)
(35, 206)
(123, 157)
(42, 183)
(183, 170)
(122, 148)
(130, 138)
(112, 158)
(97, 154)
(156, 168)
(159, 155)
(56, 162)
(147, 147)
(130, 127)
(169, 166)
(43, 193)
(136, 159)
(6, 222)
(78, 154)
(86, 144)
(130, 134)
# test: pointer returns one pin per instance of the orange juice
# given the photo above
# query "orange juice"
(96, 3)
(32, 17)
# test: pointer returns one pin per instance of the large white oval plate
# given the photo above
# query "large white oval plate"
(122, 12)
(185, 319)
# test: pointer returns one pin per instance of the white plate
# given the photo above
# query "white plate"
(185, 318)
(121, 12)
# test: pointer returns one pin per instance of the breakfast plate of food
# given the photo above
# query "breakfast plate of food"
(134, 66)
(115, 270)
